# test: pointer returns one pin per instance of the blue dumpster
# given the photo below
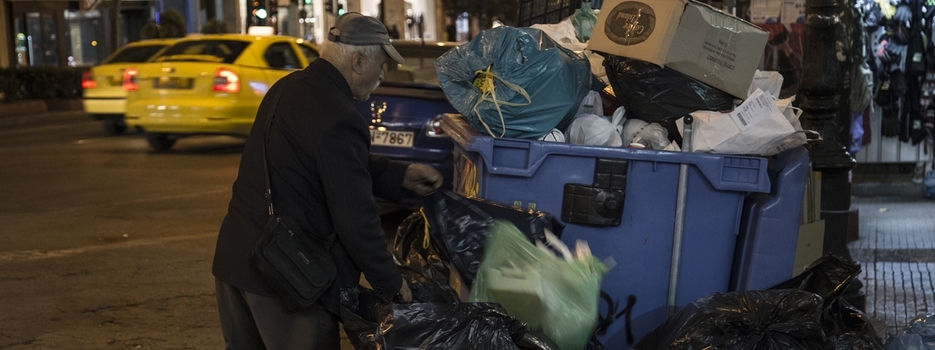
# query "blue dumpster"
(622, 202)
(770, 225)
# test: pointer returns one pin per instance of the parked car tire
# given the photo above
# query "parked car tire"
(160, 142)
(114, 127)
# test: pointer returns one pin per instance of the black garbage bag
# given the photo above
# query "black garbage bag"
(360, 309)
(477, 326)
(849, 328)
(772, 319)
(844, 325)
(536, 340)
(459, 227)
(661, 95)
(420, 264)
(829, 277)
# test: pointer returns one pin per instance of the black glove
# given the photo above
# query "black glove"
(422, 179)
(889, 127)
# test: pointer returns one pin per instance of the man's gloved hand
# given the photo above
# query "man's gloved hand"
(422, 179)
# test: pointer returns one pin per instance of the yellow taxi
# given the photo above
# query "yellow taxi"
(103, 96)
(208, 84)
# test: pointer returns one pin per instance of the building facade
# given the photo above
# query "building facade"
(83, 32)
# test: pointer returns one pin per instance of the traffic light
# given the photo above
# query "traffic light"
(340, 9)
(329, 6)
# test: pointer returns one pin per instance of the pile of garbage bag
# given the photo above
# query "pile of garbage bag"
(450, 231)
(805, 312)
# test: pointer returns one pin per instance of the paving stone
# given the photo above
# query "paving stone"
(896, 250)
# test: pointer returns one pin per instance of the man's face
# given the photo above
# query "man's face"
(371, 76)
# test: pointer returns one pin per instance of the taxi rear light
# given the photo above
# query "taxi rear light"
(130, 79)
(226, 80)
(87, 80)
(434, 127)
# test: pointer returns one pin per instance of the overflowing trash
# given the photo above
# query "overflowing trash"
(488, 275)
(661, 95)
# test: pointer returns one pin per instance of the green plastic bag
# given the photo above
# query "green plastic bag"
(557, 295)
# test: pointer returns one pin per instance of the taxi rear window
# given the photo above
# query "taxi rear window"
(135, 54)
(221, 51)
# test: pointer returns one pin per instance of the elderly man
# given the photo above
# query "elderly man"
(322, 175)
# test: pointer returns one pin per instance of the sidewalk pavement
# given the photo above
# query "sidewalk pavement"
(896, 246)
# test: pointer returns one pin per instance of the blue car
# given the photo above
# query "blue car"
(405, 110)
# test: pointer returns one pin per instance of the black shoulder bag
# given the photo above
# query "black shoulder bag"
(297, 266)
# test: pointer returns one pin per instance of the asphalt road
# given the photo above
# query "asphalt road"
(105, 244)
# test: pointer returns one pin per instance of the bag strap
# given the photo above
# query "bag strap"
(269, 190)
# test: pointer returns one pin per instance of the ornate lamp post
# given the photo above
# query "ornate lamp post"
(821, 83)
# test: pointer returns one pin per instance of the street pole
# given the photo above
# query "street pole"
(116, 22)
(821, 82)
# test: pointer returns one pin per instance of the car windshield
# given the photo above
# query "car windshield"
(221, 51)
(135, 54)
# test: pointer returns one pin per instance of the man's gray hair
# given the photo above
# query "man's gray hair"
(337, 53)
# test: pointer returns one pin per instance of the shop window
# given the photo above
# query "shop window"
(87, 40)
(36, 40)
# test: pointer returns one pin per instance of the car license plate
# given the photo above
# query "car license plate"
(172, 83)
(391, 138)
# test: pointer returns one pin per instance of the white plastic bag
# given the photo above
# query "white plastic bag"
(593, 130)
(555, 135)
(756, 127)
(637, 133)
(591, 104)
(563, 33)
(768, 81)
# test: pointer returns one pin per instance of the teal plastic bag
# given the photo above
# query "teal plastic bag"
(555, 295)
(584, 20)
(517, 77)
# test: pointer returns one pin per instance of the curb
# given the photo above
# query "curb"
(39, 110)
(15, 108)
(43, 117)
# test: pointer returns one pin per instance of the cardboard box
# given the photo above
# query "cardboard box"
(853, 225)
(690, 37)
(640, 30)
(809, 246)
